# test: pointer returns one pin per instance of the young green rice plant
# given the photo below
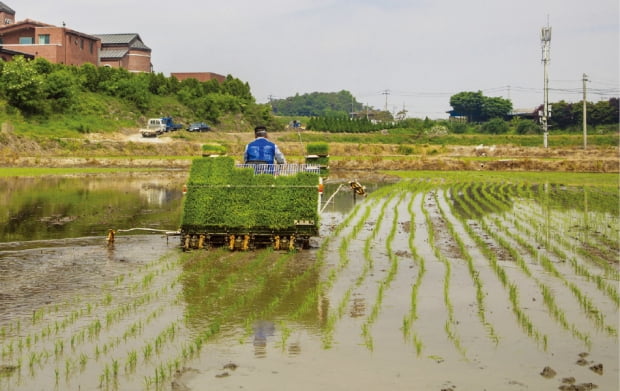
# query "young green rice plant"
(83, 361)
(450, 322)
(385, 283)
(480, 294)
(68, 368)
(465, 203)
(412, 316)
(115, 368)
(285, 333)
(147, 351)
(589, 308)
(549, 300)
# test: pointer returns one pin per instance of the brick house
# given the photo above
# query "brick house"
(61, 45)
(125, 51)
(7, 15)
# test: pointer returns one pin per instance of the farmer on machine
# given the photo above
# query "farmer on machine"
(262, 150)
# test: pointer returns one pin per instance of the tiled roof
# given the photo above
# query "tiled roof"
(112, 53)
(5, 8)
(131, 40)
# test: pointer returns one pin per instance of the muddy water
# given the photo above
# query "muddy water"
(386, 301)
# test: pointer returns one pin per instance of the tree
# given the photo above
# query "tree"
(21, 85)
(467, 104)
(477, 107)
(525, 126)
(495, 107)
(59, 89)
(317, 104)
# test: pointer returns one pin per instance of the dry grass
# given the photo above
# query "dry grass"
(97, 150)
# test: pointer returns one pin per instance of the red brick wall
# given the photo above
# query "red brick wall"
(200, 76)
(4, 17)
(138, 61)
(65, 47)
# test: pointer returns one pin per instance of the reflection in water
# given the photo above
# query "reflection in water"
(243, 294)
(262, 330)
(61, 207)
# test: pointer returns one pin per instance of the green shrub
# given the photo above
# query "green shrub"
(405, 149)
(213, 149)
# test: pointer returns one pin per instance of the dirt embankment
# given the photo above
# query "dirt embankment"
(129, 149)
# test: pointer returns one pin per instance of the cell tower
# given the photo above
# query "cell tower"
(545, 41)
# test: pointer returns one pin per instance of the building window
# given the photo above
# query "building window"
(1, 41)
(25, 40)
(92, 47)
(44, 39)
(81, 44)
(7, 21)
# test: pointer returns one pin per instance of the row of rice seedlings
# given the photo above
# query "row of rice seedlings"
(384, 284)
(585, 302)
(450, 325)
(76, 362)
(412, 315)
(332, 319)
(91, 330)
(548, 298)
(599, 230)
(589, 224)
(579, 268)
(585, 243)
(466, 204)
(474, 274)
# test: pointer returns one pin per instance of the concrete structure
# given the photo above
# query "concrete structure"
(125, 51)
(200, 76)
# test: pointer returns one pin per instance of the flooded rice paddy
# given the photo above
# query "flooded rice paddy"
(420, 285)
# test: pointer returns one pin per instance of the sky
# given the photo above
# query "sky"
(400, 54)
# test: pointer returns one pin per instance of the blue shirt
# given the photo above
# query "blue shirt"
(263, 150)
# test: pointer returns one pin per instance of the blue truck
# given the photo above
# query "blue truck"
(170, 125)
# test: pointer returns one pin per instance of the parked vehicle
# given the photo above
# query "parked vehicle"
(170, 125)
(198, 127)
(157, 126)
(154, 127)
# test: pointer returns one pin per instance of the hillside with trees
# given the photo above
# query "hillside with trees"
(317, 104)
(89, 98)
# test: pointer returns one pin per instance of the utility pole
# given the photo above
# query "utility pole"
(386, 93)
(545, 40)
(585, 122)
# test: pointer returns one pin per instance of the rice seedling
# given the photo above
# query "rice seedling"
(480, 293)
(450, 322)
(465, 203)
(83, 361)
(589, 308)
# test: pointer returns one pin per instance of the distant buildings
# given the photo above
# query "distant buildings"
(62, 45)
(124, 51)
